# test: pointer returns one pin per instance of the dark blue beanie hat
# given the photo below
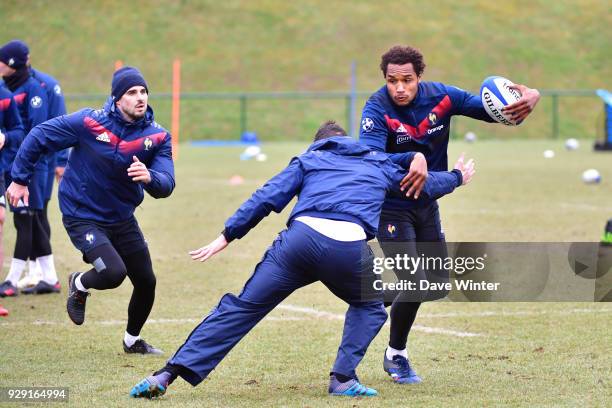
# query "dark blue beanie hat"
(14, 54)
(125, 78)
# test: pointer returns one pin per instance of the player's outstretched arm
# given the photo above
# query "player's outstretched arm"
(209, 250)
(50, 136)
(273, 196)
(438, 183)
(524, 106)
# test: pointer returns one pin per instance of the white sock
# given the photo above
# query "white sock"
(78, 284)
(47, 267)
(129, 340)
(34, 272)
(17, 267)
(393, 352)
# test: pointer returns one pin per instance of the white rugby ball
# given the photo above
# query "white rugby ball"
(549, 154)
(495, 93)
(250, 152)
(470, 137)
(591, 176)
(572, 144)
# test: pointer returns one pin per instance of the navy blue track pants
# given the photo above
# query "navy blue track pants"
(298, 257)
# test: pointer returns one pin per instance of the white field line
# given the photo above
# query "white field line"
(513, 313)
(123, 322)
(582, 206)
(299, 309)
(334, 316)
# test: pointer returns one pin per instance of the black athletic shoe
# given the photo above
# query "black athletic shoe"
(7, 289)
(42, 288)
(76, 301)
(141, 347)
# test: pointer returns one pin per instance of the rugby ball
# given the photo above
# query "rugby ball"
(572, 144)
(470, 137)
(591, 176)
(495, 93)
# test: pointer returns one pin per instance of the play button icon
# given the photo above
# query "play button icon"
(582, 258)
(579, 267)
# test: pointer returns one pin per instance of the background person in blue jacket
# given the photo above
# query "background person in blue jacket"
(32, 241)
(410, 115)
(11, 131)
(118, 152)
(341, 186)
(41, 270)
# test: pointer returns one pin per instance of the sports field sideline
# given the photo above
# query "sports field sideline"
(524, 354)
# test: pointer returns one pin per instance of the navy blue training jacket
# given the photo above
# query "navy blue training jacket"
(33, 107)
(10, 125)
(57, 107)
(336, 178)
(95, 185)
(422, 126)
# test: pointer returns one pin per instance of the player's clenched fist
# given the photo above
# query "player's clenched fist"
(138, 171)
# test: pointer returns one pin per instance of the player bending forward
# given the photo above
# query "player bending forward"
(341, 186)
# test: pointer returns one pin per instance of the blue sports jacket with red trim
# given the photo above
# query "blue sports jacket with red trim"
(95, 185)
(336, 178)
(33, 106)
(10, 124)
(422, 126)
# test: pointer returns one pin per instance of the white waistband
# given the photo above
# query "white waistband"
(338, 230)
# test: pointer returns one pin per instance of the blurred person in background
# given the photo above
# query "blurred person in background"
(11, 132)
(32, 240)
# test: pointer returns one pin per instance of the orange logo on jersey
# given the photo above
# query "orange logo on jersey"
(391, 228)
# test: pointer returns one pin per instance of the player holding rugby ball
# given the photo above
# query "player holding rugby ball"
(410, 115)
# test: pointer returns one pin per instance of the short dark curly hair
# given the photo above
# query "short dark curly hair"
(403, 55)
(329, 129)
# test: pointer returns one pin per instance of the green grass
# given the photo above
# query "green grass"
(273, 45)
(535, 354)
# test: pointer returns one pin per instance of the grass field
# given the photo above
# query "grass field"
(274, 45)
(469, 354)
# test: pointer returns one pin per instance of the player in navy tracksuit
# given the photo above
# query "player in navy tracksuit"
(33, 105)
(57, 107)
(42, 268)
(11, 132)
(118, 152)
(45, 265)
(341, 186)
(408, 115)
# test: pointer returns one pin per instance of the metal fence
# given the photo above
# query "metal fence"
(241, 108)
